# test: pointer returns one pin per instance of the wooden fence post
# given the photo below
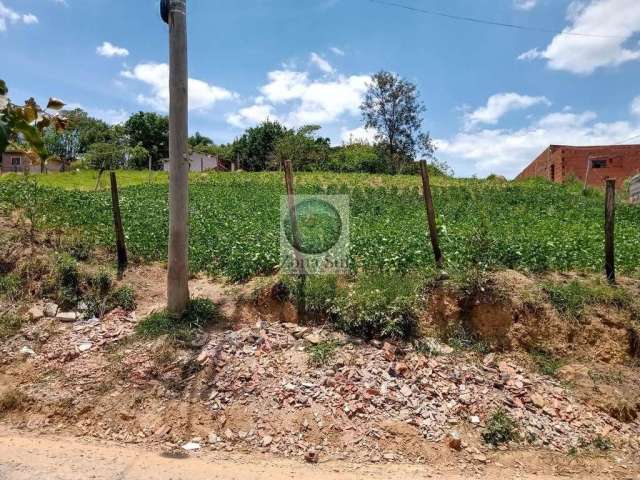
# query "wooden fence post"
(117, 224)
(295, 236)
(431, 215)
(609, 228)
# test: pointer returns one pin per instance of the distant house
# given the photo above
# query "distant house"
(18, 161)
(634, 190)
(14, 160)
(199, 162)
(592, 165)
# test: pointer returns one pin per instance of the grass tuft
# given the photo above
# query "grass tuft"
(10, 324)
(321, 353)
(199, 313)
(500, 429)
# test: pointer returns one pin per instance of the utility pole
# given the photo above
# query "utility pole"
(174, 12)
(609, 230)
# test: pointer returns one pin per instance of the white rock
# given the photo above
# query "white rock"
(50, 310)
(84, 346)
(27, 351)
(474, 419)
(190, 446)
(66, 316)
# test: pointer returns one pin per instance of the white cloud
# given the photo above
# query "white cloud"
(525, 4)
(295, 98)
(29, 19)
(337, 51)
(156, 75)
(107, 49)
(252, 115)
(360, 134)
(617, 21)
(500, 104)
(508, 151)
(635, 106)
(321, 63)
(9, 16)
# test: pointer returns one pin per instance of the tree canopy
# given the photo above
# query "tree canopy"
(151, 131)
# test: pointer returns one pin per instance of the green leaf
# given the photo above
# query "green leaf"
(3, 88)
(55, 103)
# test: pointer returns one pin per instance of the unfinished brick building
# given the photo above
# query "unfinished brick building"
(561, 162)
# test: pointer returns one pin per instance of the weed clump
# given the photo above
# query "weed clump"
(199, 313)
(11, 399)
(546, 363)
(500, 429)
(10, 324)
(321, 353)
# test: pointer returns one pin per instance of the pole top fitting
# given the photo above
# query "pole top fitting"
(171, 6)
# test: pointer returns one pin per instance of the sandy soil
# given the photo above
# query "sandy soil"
(25, 457)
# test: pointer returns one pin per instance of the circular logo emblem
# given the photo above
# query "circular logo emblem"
(319, 226)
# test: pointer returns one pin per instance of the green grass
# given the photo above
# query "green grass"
(546, 362)
(572, 298)
(199, 313)
(234, 224)
(321, 353)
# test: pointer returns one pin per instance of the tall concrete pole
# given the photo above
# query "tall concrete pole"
(178, 275)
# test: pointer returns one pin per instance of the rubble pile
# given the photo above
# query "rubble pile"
(374, 401)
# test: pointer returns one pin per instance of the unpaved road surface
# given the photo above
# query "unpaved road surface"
(24, 456)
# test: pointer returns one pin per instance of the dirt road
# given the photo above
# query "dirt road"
(24, 456)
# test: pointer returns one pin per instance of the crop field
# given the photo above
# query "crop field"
(234, 220)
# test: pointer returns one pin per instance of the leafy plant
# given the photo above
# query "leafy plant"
(125, 298)
(501, 428)
(572, 298)
(321, 353)
(602, 443)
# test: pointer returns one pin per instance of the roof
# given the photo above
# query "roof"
(592, 147)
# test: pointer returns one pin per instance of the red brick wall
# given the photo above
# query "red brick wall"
(622, 162)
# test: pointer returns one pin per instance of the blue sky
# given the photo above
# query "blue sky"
(495, 96)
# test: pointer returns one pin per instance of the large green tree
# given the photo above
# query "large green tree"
(256, 148)
(392, 108)
(306, 150)
(150, 131)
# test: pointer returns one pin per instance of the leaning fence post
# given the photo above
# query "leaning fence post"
(295, 236)
(117, 223)
(431, 215)
(609, 229)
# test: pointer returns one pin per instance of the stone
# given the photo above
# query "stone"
(454, 441)
(50, 310)
(406, 391)
(474, 419)
(27, 351)
(66, 316)
(313, 338)
(389, 456)
(478, 457)
(398, 369)
(311, 456)
(267, 440)
(213, 438)
(537, 400)
(191, 446)
(36, 313)
(389, 351)
(84, 346)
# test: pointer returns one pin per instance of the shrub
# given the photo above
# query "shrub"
(602, 443)
(125, 298)
(9, 285)
(100, 282)
(379, 305)
(321, 353)
(199, 313)
(80, 249)
(67, 275)
(10, 324)
(11, 399)
(501, 428)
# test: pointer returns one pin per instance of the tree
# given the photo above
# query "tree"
(357, 157)
(305, 150)
(138, 157)
(392, 108)
(199, 140)
(106, 156)
(256, 147)
(150, 131)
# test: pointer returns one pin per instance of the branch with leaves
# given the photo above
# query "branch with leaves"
(27, 122)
